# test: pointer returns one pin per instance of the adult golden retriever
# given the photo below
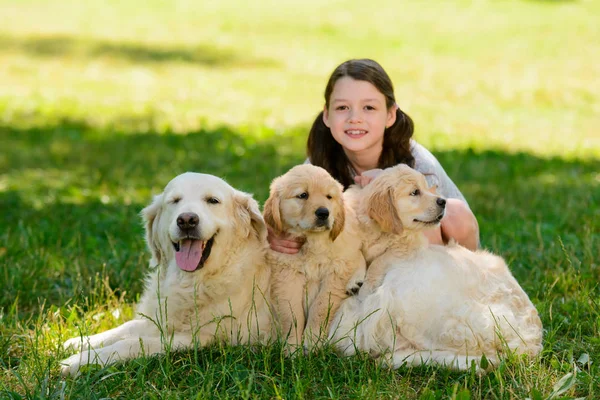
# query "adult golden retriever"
(210, 279)
(308, 287)
(425, 303)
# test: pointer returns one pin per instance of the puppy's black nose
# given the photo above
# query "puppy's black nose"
(441, 202)
(322, 213)
(187, 220)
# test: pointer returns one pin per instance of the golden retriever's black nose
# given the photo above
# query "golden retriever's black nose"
(322, 213)
(187, 220)
(441, 202)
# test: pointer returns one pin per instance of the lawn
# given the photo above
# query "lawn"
(103, 102)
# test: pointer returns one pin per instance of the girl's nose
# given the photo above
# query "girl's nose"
(354, 117)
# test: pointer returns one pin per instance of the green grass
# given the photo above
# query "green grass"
(103, 102)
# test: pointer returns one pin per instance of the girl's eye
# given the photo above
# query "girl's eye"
(212, 200)
(369, 108)
(415, 192)
(303, 196)
(341, 108)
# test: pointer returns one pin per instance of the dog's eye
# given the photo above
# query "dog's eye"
(415, 192)
(303, 196)
(329, 196)
(175, 200)
(212, 200)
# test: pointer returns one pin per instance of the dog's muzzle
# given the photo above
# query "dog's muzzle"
(191, 252)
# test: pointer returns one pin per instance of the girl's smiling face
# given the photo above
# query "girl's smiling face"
(357, 117)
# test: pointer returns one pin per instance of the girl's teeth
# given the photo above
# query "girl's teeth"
(355, 132)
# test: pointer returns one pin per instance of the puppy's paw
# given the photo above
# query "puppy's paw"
(357, 279)
(353, 288)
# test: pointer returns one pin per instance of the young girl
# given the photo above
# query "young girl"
(361, 130)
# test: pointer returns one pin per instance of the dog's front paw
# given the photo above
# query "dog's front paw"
(77, 343)
(70, 366)
(102, 356)
(353, 288)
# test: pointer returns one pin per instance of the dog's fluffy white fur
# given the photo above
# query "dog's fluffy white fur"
(308, 287)
(425, 303)
(210, 280)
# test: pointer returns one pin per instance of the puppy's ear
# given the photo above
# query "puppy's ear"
(249, 214)
(271, 212)
(340, 218)
(381, 208)
(151, 217)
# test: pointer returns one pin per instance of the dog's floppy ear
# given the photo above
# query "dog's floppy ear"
(248, 212)
(271, 211)
(381, 208)
(340, 217)
(151, 217)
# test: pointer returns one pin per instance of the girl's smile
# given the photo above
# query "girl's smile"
(356, 133)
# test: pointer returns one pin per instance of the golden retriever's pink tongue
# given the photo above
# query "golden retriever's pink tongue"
(189, 254)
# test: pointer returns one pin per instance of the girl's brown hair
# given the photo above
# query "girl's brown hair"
(324, 151)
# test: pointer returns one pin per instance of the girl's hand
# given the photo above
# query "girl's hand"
(284, 244)
(363, 179)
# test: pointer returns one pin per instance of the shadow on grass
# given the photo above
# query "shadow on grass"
(67, 46)
(71, 194)
(78, 155)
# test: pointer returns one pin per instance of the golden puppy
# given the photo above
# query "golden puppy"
(308, 287)
(426, 303)
(209, 282)
(380, 227)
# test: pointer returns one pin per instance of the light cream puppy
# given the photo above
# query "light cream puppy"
(210, 280)
(308, 287)
(426, 303)
(373, 206)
